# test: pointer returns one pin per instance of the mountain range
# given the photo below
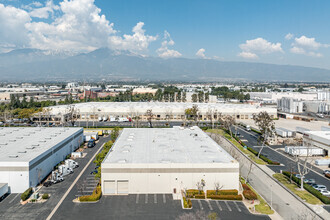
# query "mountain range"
(106, 64)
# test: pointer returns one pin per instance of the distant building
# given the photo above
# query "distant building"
(320, 139)
(317, 106)
(144, 91)
(289, 105)
(272, 97)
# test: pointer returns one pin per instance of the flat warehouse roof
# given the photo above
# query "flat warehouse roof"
(160, 107)
(23, 144)
(166, 145)
(325, 135)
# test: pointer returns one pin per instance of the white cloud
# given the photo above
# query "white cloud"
(260, 45)
(289, 36)
(12, 27)
(201, 53)
(248, 55)
(307, 46)
(136, 42)
(163, 51)
(78, 26)
(43, 12)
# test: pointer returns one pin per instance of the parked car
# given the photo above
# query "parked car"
(309, 181)
(326, 171)
(320, 187)
(47, 183)
(297, 175)
(94, 172)
(91, 143)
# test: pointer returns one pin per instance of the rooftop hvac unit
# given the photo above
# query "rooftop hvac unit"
(13, 156)
(22, 152)
(30, 148)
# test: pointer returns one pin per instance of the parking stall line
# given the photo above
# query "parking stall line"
(13, 198)
(237, 207)
(164, 198)
(209, 204)
(137, 198)
(146, 199)
(228, 206)
(155, 198)
(219, 207)
(200, 204)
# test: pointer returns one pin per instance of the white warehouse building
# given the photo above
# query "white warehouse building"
(28, 155)
(319, 139)
(161, 110)
(166, 160)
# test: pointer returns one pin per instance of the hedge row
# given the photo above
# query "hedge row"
(226, 197)
(97, 193)
(222, 192)
(309, 188)
(25, 195)
(263, 157)
(200, 196)
(186, 203)
(192, 193)
(248, 193)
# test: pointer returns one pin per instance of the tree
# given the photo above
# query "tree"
(302, 166)
(178, 96)
(266, 126)
(217, 187)
(192, 113)
(201, 96)
(200, 186)
(72, 114)
(114, 134)
(149, 116)
(227, 121)
(184, 97)
(194, 97)
(207, 97)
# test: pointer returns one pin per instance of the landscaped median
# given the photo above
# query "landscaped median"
(311, 195)
(262, 207)
(96, 195)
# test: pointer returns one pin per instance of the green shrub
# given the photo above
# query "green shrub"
(189, 203)
(191, 193)
(200, 196)
(45, 196)
(249, 195)
(309, 188)
(97, 193)
(25, 195)
(33, 200)
(228, 192)
(245, 187)
(227, 197)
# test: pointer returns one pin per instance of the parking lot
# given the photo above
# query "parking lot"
(149, 206)
(10, 207)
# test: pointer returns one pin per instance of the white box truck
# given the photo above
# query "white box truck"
(3, 190)
(64, 170)
(280, 132)
(71, 163)
(248, 128)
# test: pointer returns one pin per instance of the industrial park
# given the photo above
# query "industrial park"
(170, 110)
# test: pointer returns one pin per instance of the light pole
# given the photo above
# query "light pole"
(271, 196)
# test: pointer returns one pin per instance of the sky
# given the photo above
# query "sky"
(295, 32)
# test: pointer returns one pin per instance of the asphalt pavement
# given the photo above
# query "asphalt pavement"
(10, 207)
(287, 162)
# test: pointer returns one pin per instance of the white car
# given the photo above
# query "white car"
(325, 193)
(320, 187)
(326, 171)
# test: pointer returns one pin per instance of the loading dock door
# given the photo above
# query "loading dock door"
(122, 186)
(109, 187)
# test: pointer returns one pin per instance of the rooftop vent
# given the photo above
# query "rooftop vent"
(11, 140)
(30, 148)
(166, 161)
(48, 138)
(42, 141)
(26, 134)
(22, 152)
(129, 139)
(35, 145)
(13, 156)
(122, 161)
(204, 146)
(3, 143)
(193, 134)
(216, 161)
(125, 151)
(19, 137)
(2, 134)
